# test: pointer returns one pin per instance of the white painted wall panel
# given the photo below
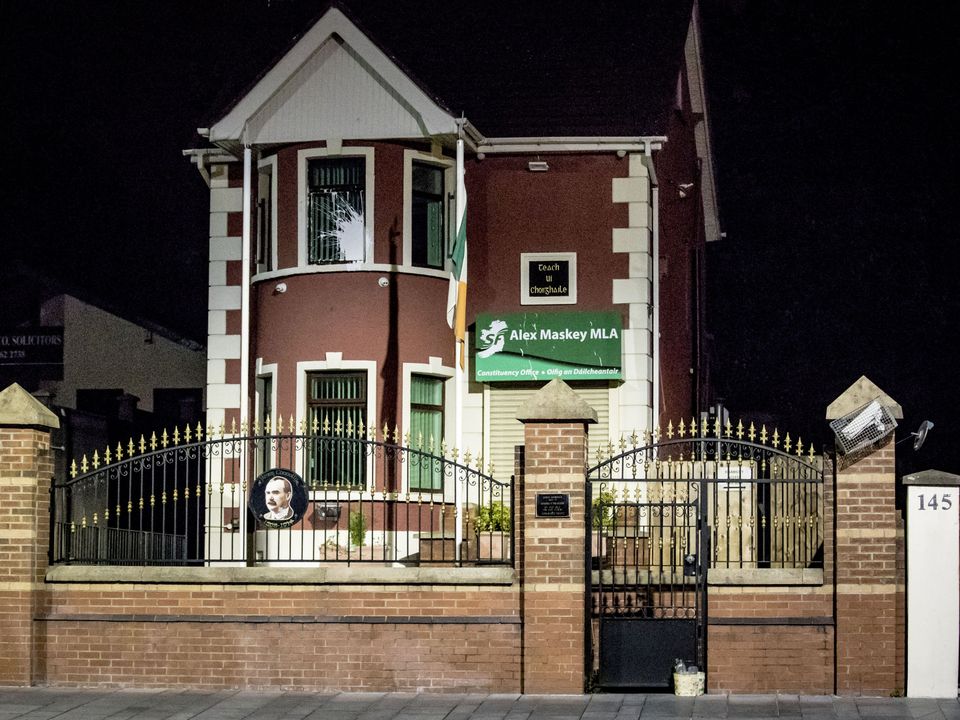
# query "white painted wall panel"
(228, 199)
(335, 95)
(224, 347)
(224, 298)
(226, 248)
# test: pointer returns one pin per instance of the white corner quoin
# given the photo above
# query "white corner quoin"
(933, 583)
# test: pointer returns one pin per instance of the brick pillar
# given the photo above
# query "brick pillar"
(552, 555)
(26, 469)
(866, 557)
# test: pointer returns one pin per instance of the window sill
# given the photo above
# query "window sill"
(349, 267)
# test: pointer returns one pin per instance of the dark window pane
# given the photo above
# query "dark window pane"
(427, 216)
(335, 210)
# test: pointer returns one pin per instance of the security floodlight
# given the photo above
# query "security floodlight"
(863, 427)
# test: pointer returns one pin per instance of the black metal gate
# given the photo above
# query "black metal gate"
(648, 581)
(665, 512)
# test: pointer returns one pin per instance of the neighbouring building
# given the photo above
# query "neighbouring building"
(589, 194)
(108, 376)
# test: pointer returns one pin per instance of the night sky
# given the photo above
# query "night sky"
(835, 140)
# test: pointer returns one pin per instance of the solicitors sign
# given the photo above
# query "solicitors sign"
(517, 347)
(38, 347)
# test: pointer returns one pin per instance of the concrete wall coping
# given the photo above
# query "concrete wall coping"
(859, 394)
(765, 576)
(558, 402)
(356, 574)
(932, 477)
(18, 408)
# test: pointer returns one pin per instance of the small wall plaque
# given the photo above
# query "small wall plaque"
(548, 278)
(553, 505)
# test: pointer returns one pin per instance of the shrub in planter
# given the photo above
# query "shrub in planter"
(602, 511)
(493, 518)
(357, 527)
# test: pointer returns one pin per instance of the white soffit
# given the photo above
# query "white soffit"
(334, 82)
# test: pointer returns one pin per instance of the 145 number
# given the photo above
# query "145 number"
(935, 502)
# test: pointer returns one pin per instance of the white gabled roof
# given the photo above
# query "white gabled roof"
(334, 83)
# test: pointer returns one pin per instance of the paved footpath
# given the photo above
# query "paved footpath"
(80, 704)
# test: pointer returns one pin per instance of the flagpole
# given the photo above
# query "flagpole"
(458, 364)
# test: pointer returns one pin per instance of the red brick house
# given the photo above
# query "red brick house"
(333, 187)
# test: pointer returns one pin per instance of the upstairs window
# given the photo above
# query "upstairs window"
(428, 201)
(336, 200)
(266, 220)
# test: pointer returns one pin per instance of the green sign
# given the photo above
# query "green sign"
(542, 346)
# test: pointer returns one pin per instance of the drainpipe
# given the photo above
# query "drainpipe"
(245, 288)
(655, 290)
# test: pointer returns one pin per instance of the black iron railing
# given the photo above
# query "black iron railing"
(201, 503)
(757, 505)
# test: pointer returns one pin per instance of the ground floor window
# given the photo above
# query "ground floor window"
(337, 406)
(426, 431)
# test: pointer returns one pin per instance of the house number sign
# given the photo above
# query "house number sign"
(944, 501)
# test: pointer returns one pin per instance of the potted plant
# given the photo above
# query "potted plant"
(491, 525)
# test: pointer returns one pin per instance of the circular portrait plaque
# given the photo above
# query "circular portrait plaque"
(278, 498)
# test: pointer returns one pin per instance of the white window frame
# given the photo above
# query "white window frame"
(271, 163)
(303, 157)
(266, 370)
(449, 181)
(435, 368)
(335, 362)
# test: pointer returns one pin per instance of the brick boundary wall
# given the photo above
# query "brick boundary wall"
(770, 639)
(438, 629)
(301, 637)
(776, 638)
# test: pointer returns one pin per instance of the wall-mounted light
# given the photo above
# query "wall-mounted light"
(382, 281)
(280, 288)
(621, 153)
(537, 166)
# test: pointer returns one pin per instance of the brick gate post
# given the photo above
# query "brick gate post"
(866, 587)
(26, 469)
(552, 542)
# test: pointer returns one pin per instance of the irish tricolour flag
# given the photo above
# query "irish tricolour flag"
(457, 294)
